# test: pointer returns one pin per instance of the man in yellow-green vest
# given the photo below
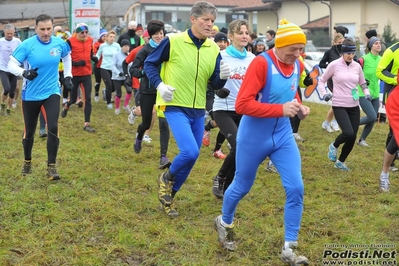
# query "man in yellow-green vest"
(190, 60)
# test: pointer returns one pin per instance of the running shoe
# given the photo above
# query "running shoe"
(206, 138)
(225, 234)
(289, 256)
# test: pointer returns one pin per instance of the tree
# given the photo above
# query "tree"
(319, 38)
(388, 36)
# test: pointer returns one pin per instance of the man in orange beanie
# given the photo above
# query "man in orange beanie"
(266, 103)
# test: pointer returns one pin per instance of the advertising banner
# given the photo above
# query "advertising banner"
(86, 11)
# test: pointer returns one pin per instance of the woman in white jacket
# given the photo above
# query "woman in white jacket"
(237, 57)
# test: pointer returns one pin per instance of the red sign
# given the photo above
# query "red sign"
(87, 13)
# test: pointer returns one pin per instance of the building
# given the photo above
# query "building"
(357, 15)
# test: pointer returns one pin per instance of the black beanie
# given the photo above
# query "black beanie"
(220, 36)
(371, 33)
(341, 29)
(224, 30)
(154, 26)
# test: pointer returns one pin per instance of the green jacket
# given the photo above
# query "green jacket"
(369, 65)
(188, 70)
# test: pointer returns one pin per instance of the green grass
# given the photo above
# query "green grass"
(104, 210)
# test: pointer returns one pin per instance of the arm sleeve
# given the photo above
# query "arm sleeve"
(324, 61)
(124, 67)
(321, 86)
(67, 61)
(155, 59)
(114, 69)
(136, 69)
(215, 80)
(382, 71)
(254, 81)
(99, 52)
(14, 67)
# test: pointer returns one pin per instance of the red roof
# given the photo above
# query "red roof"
(224, 3)
(323, 22)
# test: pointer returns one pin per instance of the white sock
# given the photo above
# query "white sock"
(286, 244)
(384, 175)
(225, 224)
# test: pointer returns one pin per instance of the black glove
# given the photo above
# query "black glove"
(30, 74)
(94, 59)
(327, 97)
(367, 82)
(121, 74)
(79, 63)
(68, 83)
(222, 93)
(308, 81)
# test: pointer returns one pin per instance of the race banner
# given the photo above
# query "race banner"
(86, 11)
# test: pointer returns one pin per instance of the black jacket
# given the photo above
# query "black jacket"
(329, 56)
(134, 41)
(136, 70)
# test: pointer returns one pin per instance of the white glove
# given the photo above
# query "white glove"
(225, 70)
(165, 91)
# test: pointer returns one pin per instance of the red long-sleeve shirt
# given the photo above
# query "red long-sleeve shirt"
(254, 81)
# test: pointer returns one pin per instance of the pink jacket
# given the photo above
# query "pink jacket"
(345, 78)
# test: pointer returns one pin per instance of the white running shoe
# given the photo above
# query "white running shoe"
(384, 184)
(362, 143)
(147, 139)
(14, 104)
(127, 109)
(132, 117)
(109, 106)
(117, 111)
(96, 99)
(297, 137)
(289, 256)
(334, 126)
(327, 126)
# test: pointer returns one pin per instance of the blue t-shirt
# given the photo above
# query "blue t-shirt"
(33, 53)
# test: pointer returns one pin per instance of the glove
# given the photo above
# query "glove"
(165, 91)
(368, 97)
(30, 74)
(68, 83)
(308, 81)
(367, 82)
(121, 74)
(79, 63)
(94, 59)
(224, 70)
(327, 97)
(222, 93)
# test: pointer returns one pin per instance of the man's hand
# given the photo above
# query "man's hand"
(30, 74)
(68, 83)
(222, 93)
(291, 108)
(225, 70)
(166, 91)
(79, 63)
(303, 111)
(327, 97)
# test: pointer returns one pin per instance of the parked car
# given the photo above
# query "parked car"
(312, 53)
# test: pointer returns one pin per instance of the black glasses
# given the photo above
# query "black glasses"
(84, 32)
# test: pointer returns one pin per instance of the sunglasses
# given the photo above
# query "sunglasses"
(84, 32)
